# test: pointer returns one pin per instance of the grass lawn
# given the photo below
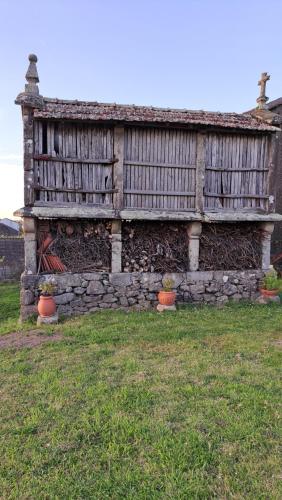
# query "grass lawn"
(144, 406)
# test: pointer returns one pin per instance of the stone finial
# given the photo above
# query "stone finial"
(31, 97)
(32, 76)
(262, 99)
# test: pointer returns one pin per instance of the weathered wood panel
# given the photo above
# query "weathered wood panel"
(73, 163)
(159, 168)
(236, 171)
(149, 168)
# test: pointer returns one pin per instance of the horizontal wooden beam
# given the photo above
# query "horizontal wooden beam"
(220, 169)
(159, 193)
(62, 204)
(220, 195)
(105, 161)
(36, 187)
(134, 163)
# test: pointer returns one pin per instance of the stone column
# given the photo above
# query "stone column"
(194, 232)
(116, 246)
(267, 228)
(30, 245)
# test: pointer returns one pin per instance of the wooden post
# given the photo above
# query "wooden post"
(118, 167)
(267, 228)
(194, 232)
(30, 245)
(271, 181)
(200, 172)
(116, 246)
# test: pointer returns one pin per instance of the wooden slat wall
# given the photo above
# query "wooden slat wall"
(235, 165)
(159, 161)
(75, 162)
(73, 141)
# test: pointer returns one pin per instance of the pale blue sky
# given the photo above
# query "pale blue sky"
(198, 54)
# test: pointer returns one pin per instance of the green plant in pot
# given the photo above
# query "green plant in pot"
(167, 296)
(46, 305)
(271, 285)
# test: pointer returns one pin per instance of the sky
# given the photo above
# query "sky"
(195, 54)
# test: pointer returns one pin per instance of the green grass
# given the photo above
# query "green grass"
(9, 306)
(144, 406)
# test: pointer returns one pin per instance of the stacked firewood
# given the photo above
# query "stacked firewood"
(230, 246)
(77, 246)
(154, 247)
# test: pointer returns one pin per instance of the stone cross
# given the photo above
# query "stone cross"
(262, 99)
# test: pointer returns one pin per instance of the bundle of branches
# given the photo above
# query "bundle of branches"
(82, 246)
(154, 247)
(230, 246)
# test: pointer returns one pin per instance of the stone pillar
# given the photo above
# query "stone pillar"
(194, 232)
(267, 229)
(116, 246)
(30, 245)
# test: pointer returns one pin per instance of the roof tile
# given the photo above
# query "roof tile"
(83, 110)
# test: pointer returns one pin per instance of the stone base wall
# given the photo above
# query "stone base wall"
(89, 292)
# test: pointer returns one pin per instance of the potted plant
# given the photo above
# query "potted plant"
(167, 296)
(46, 305)
(271, 285)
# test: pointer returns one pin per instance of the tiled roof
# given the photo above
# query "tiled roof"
(82, 110)
(273, 104)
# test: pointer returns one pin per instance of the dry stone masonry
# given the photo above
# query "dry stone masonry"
(90, 292)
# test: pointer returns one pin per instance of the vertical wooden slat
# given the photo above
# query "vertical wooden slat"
(272, 147)
(118, 167)
(200, 172)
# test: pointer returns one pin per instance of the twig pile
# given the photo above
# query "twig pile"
(82, 246)
(230, 246)
(154, 247)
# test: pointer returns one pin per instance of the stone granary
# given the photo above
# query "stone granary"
(117, 197)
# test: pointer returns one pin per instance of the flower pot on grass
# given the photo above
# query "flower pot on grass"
(271, 285)
(46, 305)
(167, 296)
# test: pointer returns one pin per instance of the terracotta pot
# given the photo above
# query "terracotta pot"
(268, 293)
(46, 306)
(166, 298)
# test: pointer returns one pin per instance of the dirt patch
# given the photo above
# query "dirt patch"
(31, 338)
(278, 343)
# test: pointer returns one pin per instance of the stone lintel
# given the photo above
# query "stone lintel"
(76, 211)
